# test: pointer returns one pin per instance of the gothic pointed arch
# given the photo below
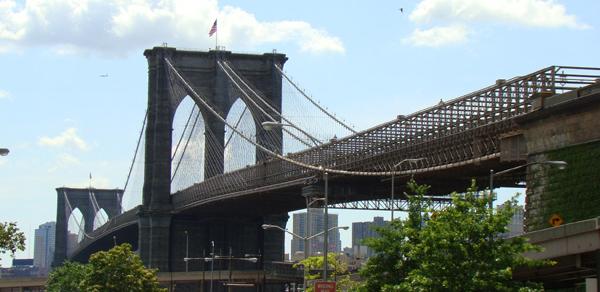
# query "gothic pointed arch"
(239, 152)
(187, 145)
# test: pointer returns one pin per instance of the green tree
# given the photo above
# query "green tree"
(68, 277)
(455, 249)
(11, 239)
(116, 270)
(119, 269)
(390, 263)
(338, 270)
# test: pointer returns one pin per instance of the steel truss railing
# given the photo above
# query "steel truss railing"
(462, 129)
(437, 203)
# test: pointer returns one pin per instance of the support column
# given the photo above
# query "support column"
(274, 240)
(60, 238)
(154, 240)
(155, 216)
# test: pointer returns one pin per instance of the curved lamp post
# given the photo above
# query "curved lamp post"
(269, 126)
(306, 239)
(557, 163)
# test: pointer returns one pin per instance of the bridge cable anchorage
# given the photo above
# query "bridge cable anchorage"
(201, 101)
(263, 101)
(349, 128)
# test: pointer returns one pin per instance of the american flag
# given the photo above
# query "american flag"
(213, 29)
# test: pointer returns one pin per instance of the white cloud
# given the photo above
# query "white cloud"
(534, 13)
(67, 138)
(64, 161)
(118, 27)
(438, 36)
(4, 94)
(451, 19)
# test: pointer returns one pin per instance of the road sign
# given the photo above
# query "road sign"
(556, 220)
(325, 287)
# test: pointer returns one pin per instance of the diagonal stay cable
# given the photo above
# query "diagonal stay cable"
(187, 123)
(137, 147)
(200, 100)
(315, 103)
(185, 146)
(237, 123)
(264, 102)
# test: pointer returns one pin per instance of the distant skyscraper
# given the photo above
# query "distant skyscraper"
(315, 225)
(362, 230)
(44, 245)
(515, 225)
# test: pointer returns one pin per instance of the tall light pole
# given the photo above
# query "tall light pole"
(269, 126)
(212, 263)
(187, 249)
(557, 163)
(410, 162)
(214, 257)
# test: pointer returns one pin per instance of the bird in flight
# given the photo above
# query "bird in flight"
(401, 10)
(104, 75)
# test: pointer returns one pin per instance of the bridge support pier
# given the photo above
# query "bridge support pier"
(154, 240)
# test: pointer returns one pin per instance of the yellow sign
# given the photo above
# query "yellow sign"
(556, 220)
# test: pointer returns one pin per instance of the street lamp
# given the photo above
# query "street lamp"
(187, 249)
(214, 257)
(269, 126)
(306, 239)
(4, 151)
(210, 259)
(410, 163)
(558, 163)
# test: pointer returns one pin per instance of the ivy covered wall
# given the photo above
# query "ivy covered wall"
(572, 193)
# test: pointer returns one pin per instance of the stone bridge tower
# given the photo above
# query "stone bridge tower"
(158, 227)
(69, 199)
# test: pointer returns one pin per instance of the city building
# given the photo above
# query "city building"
(43, 252)
(315, 225)
(362, 230)
(516, 224)
(20, 268)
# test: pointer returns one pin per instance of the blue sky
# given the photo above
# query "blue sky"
(368, 62)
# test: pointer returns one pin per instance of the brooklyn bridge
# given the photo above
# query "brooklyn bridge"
(237, 160)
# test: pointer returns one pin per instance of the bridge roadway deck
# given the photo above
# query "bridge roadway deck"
(450, 138)
(458, 140)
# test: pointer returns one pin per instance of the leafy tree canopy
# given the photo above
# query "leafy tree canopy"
(118, 269)
(68, 277)
(455, 249)
(338, 270)
(11, 239)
